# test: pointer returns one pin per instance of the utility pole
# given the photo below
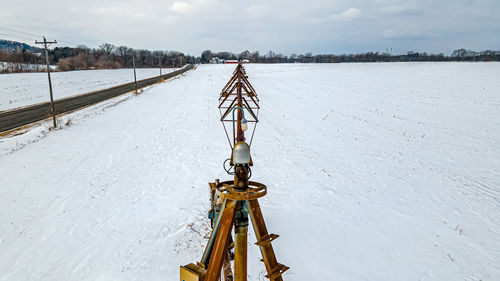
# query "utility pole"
(46, 43)
(135, 77)
(159, 57)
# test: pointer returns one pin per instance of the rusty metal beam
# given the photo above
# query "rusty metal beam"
(228, 83)
(250, 86)
(221, 242)
(240, 134)
(227, 96)
(250, 110)
(228, 110)
(255, 102)
(274, 269)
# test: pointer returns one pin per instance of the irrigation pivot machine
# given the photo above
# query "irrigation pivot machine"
(235, 200)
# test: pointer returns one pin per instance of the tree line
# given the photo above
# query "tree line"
(109, 56)
(208, 56)
(106, 56)
(22, 61)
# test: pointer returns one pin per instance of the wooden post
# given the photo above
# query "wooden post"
(160, 64)
(45, 43)
(181, 59)
(135, 77)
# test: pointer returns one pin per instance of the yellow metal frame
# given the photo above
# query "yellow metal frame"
(192, 272)
(221, 244)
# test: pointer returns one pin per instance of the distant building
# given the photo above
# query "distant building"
(216, 60)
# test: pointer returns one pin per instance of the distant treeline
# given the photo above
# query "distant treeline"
(271, 57)
(111, 56)
(20, 57)
(20, 61)
(106, 56)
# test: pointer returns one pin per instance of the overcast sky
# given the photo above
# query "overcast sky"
(287, 27)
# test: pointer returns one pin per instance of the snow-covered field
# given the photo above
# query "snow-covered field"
(374, 172)
(21, 89)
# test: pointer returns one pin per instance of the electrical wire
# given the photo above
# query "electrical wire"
(228, 171)
(16, 37)
(21, 32)
(70, 43)
(249, 172)
(36, 36)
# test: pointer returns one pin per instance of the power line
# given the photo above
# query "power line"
(18, 31)
(30, 34)
(17, 37)
(71, 43)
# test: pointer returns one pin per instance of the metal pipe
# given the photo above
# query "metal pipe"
(240, 135)
(243, 116)
(208, 250)
(240, 241)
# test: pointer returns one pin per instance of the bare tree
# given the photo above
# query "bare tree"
(206, 56)
(107, 48)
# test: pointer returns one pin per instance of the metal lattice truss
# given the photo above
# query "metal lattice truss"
(238, 86)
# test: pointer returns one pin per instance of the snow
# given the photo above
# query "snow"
(374, 172)
(21, 89)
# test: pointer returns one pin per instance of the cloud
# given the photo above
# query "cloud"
(350, 13)
(257, 11)
(392, 33)
(346, 15)
(318, 26)
(180, 7)
(400, 8)
(408, 32)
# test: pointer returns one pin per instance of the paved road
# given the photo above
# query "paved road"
(17, 117)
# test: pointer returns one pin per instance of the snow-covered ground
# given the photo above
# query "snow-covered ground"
(21, 89)
(374, 172)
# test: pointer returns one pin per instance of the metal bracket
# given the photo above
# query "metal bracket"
(277, 271)
(267, 239)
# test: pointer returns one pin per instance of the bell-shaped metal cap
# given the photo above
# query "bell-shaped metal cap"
(241, 153)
